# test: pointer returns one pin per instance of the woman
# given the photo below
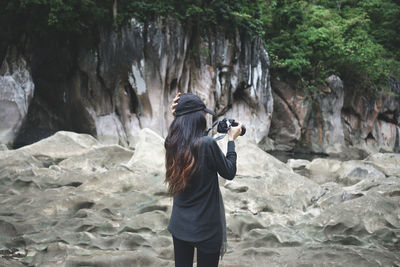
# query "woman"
(193, 161)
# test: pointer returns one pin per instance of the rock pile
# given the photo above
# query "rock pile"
(70, 201)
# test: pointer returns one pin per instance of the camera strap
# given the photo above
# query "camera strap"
(209, 129)
(219, 137)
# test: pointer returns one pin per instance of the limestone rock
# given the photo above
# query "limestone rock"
(347, 172)
(149, 153)
(361, 217)
(290, 112)
(324, 130)
(387, 163)
(341, 122)
(299, 124)
(286, 130)
(371, 123)
(386, 135)
(252, 161)
(3, 147)
(71, 201)
(98, 159)
(72, 144)
(323, 170)
(261, 176)
(297, 163)
(128, 82)
(16, 93)
(351, 172)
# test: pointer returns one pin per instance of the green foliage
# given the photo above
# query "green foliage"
(40, 18)
(82, 17)
(357, 40)
(202, 13)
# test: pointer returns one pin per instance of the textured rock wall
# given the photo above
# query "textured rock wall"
(323, 131)
(339, 120)
(129, 80)
(16, 92)
(373, 122)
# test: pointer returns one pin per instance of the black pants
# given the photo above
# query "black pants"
(184, 252)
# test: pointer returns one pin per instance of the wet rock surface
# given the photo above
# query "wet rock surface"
(70, 201)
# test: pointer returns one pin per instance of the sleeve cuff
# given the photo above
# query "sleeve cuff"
(231, 146)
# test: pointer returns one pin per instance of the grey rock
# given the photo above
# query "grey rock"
(128, 82)
(343, 172)
(70, 201)
(388, 163)
(291, 109)
(323, 170)
(341, 122)
(297, 163)
(352, 172)
(3, 147)
(372, 123)
(285, 129)
(324, 130)
(72, 144)
(16, 93)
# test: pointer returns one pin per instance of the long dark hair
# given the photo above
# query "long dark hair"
(182, 150)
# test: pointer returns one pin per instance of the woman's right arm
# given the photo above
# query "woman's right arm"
(226, 165)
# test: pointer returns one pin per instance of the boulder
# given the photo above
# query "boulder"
(353, 171)
(388, 163)
(61, 145)
(297, 163)
(3, 147)
(323, 170)
(298, 166)
(343, 172)
(149, 153)
(252, 161)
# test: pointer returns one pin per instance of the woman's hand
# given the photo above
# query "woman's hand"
(234, 132)
(175, 103)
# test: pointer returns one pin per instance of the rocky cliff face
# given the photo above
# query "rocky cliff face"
(129, 80)
(338, 120)
(373, 122)
(16, 92)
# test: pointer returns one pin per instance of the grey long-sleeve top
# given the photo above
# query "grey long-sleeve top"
(196, 210)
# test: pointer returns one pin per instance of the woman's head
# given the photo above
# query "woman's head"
(182, 149)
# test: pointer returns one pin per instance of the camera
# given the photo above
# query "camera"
(223, 126)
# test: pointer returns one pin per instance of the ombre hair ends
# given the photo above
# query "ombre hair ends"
(182, 150)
